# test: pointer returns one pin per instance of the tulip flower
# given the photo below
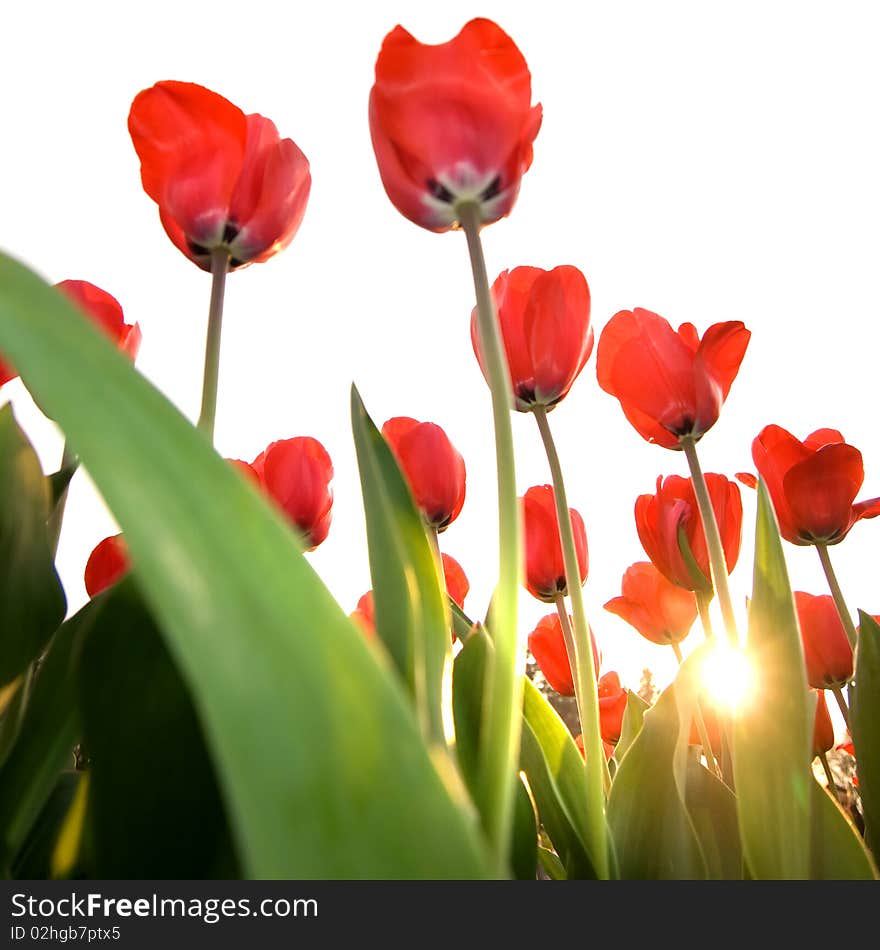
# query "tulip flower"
(812, 484)
(607, 746)
(827, 652)
(432, 467)
(545, 324)
(612, 706)
(661, 611)
(364, 615)
(670, 518)
(671, 383)
(547, 644)
(545, 571)
(107, 564)
(457, 584)
(103, 310)
(452, 123)
(222, 180)
(823, 729)
(296, 474)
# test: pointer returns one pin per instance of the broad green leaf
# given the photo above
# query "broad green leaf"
(412, 617)
(712, 808)
(154, 807)
(468, 678)
(322, 765)
(631, 726)
(32, 603)
(48, 734)
(654, 836)
(556, 775)
(838, 853)
(524, 853)
(772, 732)
(550, 864)
(34, 860)
(865, 722)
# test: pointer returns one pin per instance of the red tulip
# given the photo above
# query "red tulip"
(547, 644)
(823, 730)
(612, 706)
(660, 518)
(661, 611)
(827, 652)
(364, 615)
(812, 484)
(452, 123)
(457, 584)
(670, 383)
(221, 179)
(545, 570)
(296, 474)
(107, 564)
(544, 318)
(712, 724)
(432, 467)
(103, 310)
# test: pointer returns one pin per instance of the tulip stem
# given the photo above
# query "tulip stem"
(708, 751)
(841, 702)
(219, 266)
(829, 777)
(717, 562)
(598, 776)
(503, 694)
(53, 525)
(837, 594)
(703, 600)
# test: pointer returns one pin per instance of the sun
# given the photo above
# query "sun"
(728, 678)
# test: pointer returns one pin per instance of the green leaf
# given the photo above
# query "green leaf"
(556, 775)
(712, 808)
(524, 853)
(323, 769)
(48, 734)
(633, 717)
(32, 602)
(865, 723)
(772, 733)
(468, 679)
(838, 853)
(412, 616)
(154, 806)
(34, 860)
(653, 833)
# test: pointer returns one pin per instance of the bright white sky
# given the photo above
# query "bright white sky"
(707, 161)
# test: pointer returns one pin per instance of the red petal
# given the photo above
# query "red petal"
(107, 564)
(820, 491)
(717, 362)
(774, 452)
(821, 437)
(457, 584)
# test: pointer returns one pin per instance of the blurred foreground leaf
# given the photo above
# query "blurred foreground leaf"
(319, 756)
(865, 721)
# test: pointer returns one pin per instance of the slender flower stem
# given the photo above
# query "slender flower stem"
(703, 600)
(837, 594)
(711, 761)
(598, 776)
(53, 525)
(219, 266)
(503, 696)
(841, 702)
(717, 562)
(832, 785)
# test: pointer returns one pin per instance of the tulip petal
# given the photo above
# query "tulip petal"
(718, 359)
(820, 491)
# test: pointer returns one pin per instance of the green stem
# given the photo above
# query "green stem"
(715, 548)
(837, 594)
(841, 702)
(503, 699)
(53, 525)
(832, 785)
(598, 776)
(703, 600)
(219, 266)
(708, 751)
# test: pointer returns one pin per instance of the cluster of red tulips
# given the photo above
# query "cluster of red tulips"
(452, 128)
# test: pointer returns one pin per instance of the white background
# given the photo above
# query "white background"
(709, 161)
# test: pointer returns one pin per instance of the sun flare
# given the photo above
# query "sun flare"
(728, 678)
